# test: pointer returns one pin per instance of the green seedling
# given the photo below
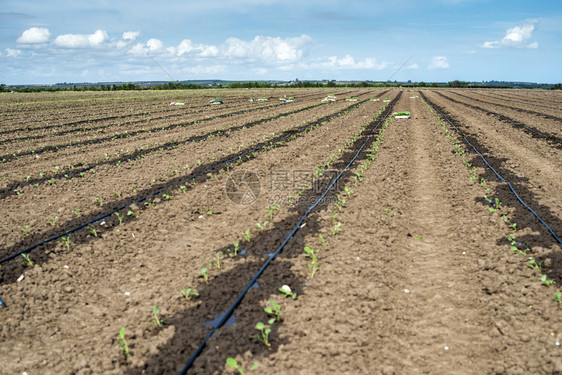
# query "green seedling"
(273, 309)
(271, 210)
(247, 235)
(231, 362)
(340, 203)
(287, 292)
(534, 265)
(66, 241)
(166, 196)
(336, 229)
(189, 293)
(558, 299)
(322, 240)
(53, 220)
(314, 265)
(204, 273)
(133, 213)
(348, 191)
(76, 210)
(25, 230)
(183, 189)
(120, 217)
(263, 336)
(28, 260)
(546, 281)
(123, 343)
(93, 230)
(157, 321)
(262, 226)
(99, 200)
(496, 205)
(218, 257)
(236, 248)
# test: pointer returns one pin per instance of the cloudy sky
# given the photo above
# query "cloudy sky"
(125, 40)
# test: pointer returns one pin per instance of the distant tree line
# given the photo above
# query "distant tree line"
(257, 84)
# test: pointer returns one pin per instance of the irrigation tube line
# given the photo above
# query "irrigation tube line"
(496, 173)
(254, 279)
(498, 115)
(100, 218)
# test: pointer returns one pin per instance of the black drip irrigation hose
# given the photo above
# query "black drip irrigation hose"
(230, 311)
(138, 153)
(514, 108)
(534, 131)
(495, 172)
(140, 200)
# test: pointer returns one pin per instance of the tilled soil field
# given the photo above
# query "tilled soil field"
(421, 245)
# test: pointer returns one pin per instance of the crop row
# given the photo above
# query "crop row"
(552, 138)
(174, 180)
(79, 170)
(139, 118)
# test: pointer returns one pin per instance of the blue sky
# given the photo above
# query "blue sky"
(100, 40)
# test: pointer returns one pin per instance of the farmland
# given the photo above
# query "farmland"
(433, 243)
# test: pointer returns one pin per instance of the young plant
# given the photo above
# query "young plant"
(534, 265)
(66, 241)
(263, 336)
(189, 293)
(273, 309)
(123, 343)
(218, 257)
(25, 230)
(271, 210)
(133, 213)
(204, 273)
(231, 362)
(546, 281)
(157, 321)
(93, 231)
(236, 248)
(287, 292)
(247, 235)
(321, 239)
(99, 200)
(28, 260)
(314, 265)
(120, 217)
(262, 226)
(558, 299)
(336, 229)
(53, 220)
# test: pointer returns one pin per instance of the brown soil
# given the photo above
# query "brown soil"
(420, 279)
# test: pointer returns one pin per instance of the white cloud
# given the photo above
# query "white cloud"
(131, 35)
(34, 35)
(517, 36)
(12, 52)
(154, 44)
(187, 47)
(439, 62)
(81, 40)
(271, 50)
(413, 66)
(349, 62)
